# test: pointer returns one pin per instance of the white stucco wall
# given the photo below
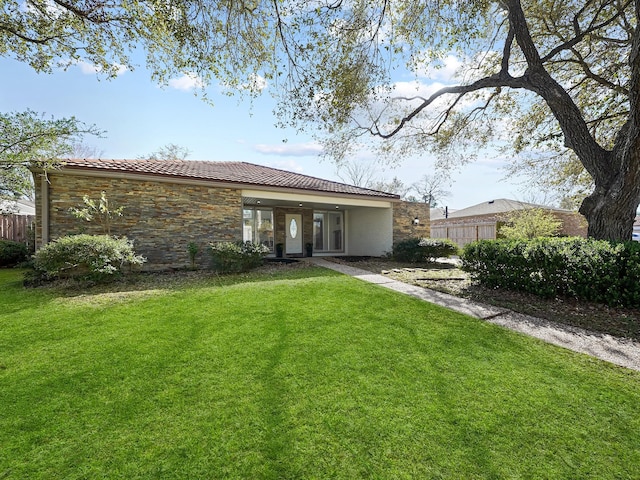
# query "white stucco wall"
(369, 231)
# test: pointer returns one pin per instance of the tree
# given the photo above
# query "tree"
(360, 174)
(28, 138)
(99, 212)
(530, 223)
(395, 185)
(546, 75)
(170, 151)
(83, 150)
(430, 189)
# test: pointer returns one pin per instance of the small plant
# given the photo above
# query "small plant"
(100, 212)
(230, 257)
(95, 257)
(193, 250)
(12, 253)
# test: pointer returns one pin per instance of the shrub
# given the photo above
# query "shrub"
(416, 250)
(12, 253)
(95, 257)
(234, 257)
(592, 270)
(530, 223)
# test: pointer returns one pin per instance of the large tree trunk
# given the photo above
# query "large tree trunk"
(611, 209)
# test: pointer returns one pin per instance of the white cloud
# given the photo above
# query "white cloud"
(256, 83)
(415, 88)
(444, 71)
(288, 165)
(91, 69)
(187, 81)
(289, 150)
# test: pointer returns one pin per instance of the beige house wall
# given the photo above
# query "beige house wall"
(161, 218)
(369, 231)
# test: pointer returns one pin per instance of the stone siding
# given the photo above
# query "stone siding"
(161, 218)
(403, 215)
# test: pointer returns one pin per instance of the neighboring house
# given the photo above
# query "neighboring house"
(169, 204)
(482, 221)
(16, 219)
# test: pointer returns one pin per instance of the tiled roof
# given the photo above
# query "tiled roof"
(492, 207)
(241, 173)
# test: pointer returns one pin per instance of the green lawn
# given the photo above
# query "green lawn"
(306, 374)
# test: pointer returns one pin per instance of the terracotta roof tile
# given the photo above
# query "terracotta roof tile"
(241, 173)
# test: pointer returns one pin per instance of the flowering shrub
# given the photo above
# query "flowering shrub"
(97, 257)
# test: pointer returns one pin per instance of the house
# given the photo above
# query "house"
(16, 220)
(169, 204)
(482, 221)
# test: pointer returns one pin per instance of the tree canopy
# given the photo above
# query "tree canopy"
(545, 76)
(27, 138)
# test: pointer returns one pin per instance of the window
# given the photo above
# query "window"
(328, 231)
(257, 226)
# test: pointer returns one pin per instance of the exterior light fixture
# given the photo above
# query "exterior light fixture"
(258, 202)
(337, 207)
(416, 221)
(299, 204)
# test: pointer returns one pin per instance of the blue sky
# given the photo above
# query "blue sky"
(139, 117)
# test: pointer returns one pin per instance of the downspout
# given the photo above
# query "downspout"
(44, 208)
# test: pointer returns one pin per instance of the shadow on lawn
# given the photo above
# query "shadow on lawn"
(175, 281)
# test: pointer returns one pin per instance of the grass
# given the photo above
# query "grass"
(298, 373)
(445, 277)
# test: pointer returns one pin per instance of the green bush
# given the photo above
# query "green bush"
(419, 250)
(12, 253)
(95, 257)
(592, 270)
(234, 257)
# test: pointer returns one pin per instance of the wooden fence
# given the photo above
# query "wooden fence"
(465, 233)
(16, 227)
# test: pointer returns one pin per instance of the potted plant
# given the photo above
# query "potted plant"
(279, 249)
(309, 248)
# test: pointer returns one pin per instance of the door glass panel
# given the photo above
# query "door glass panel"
(257, 226)
(293, 228)
(328, 231)
(318, 231)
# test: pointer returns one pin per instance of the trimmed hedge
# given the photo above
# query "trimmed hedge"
(421, 250)
(593, 270)
(12, 253)
(95, 257)
(236, 257)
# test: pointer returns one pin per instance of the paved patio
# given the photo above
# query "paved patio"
(619, 351)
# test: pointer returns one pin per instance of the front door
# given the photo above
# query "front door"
(293, 226)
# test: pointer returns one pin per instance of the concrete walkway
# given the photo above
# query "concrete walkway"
(622, 352)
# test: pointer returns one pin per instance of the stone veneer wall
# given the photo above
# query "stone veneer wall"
(161, 218)
(403, 215)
